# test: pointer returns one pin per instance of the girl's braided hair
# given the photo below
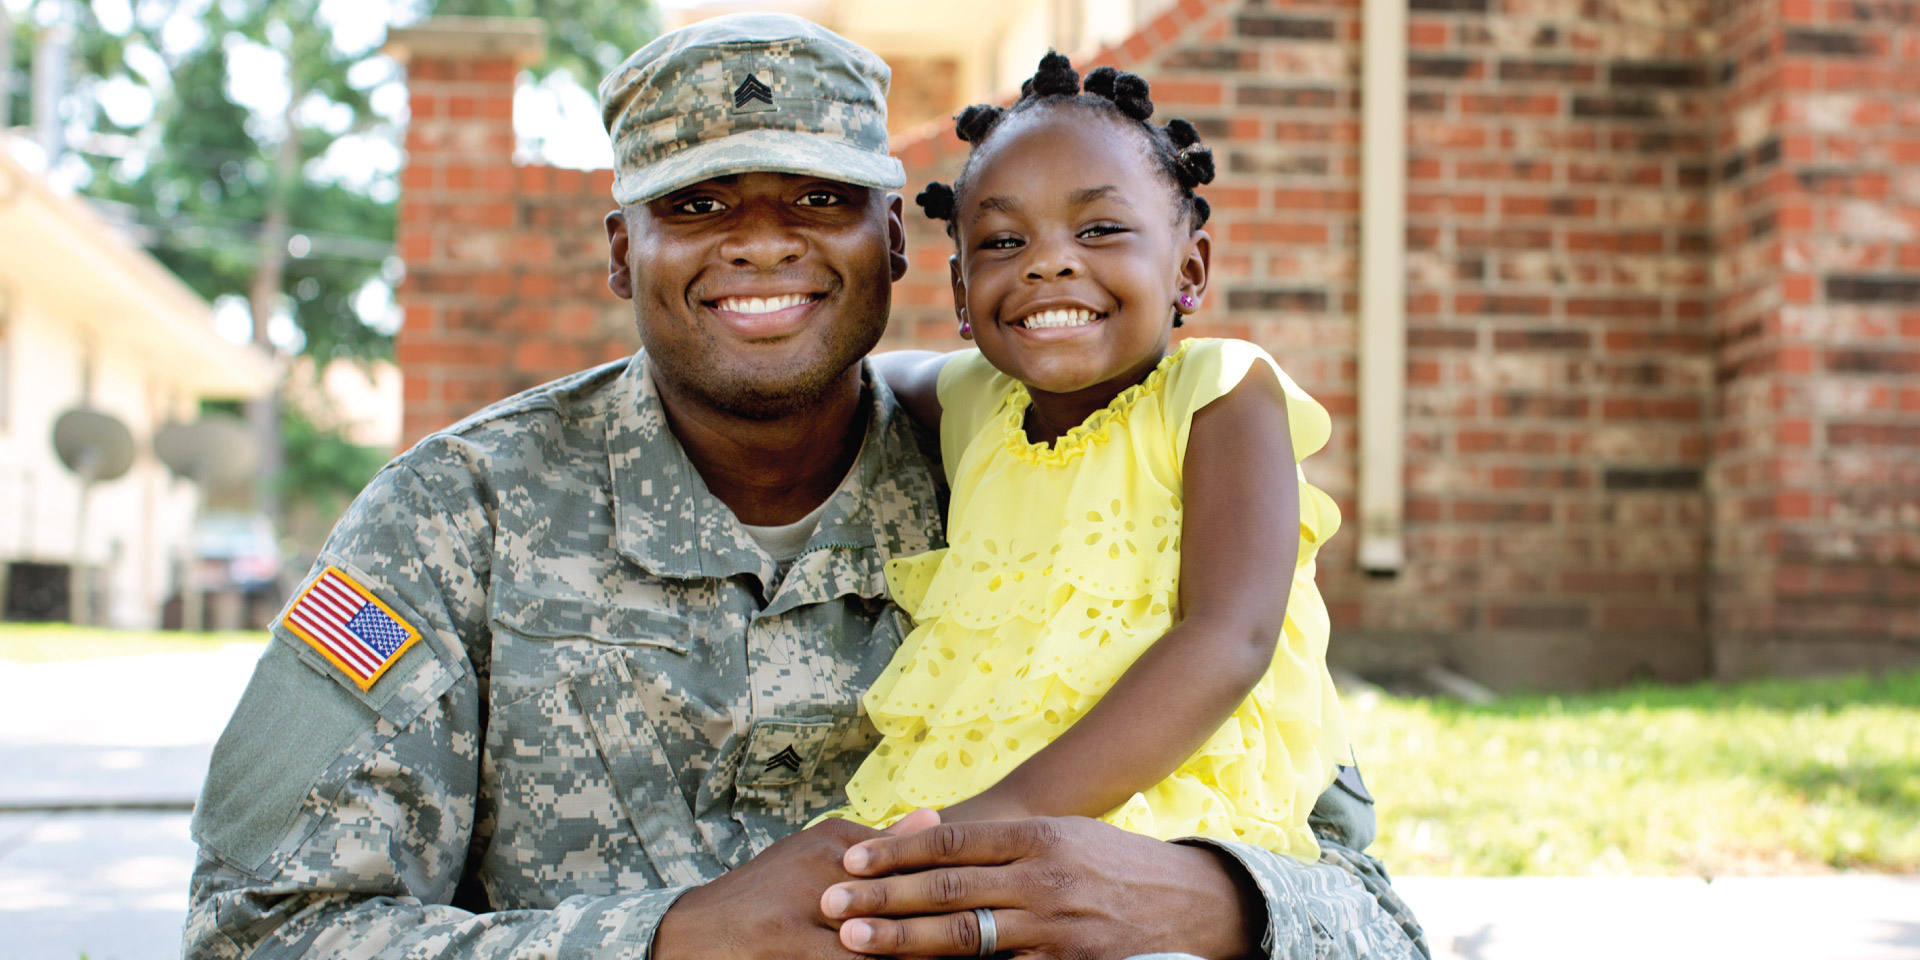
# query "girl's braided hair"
(1176, 147)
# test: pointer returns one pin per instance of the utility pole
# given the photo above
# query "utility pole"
(6, 69)
(49, 85)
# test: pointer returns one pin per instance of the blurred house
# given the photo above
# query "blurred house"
(361, 399)
(1616, 304)
(89, 321)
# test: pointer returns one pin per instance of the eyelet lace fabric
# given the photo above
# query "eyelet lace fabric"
(1062, 568)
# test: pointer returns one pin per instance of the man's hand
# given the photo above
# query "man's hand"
(770, 905)
(1063, 887)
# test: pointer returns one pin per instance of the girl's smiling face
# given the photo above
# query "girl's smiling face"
(1073, 255)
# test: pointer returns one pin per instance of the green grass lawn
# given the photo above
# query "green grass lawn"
(1772, 777)
(40, 643)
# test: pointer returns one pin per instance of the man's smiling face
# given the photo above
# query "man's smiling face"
(756, 294)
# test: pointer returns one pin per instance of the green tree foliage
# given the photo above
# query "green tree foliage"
(287, 208)
(226, 197)
(207, 194)
(323, 472)
(215, 190)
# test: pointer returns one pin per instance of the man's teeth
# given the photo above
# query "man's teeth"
(763, 304)
(1060, 318)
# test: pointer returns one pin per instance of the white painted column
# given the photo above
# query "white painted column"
(1383, 321)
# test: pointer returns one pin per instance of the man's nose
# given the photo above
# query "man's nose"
(760, 237)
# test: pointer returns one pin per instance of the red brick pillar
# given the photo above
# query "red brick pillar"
(1816, 471)
(506, 264)
(456, 210)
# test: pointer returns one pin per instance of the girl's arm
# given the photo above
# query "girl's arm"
(1239, 543)
(914, 378)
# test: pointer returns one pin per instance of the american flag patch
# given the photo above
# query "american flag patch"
(358, 633)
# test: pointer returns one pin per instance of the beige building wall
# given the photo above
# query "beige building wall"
(89, 320)
(136, 523)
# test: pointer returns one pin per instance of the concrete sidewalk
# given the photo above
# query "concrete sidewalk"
(1845, 917)
(136, 732)
(124, 731)
(103, 759)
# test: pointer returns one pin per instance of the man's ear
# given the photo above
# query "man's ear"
(619, 275)
(896, 236)
(1195, 269)
(959, 288)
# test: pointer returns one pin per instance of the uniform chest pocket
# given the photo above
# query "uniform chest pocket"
(540, 617)
(642, 772)
(571, 762)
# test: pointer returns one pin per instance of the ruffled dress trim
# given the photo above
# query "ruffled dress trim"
(1096, 428)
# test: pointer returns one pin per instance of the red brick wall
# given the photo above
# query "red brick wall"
(506, 264)
(1663, 310)
(1817, 327)
(1558, 354)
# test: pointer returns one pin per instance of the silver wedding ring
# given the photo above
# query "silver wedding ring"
(989, 932)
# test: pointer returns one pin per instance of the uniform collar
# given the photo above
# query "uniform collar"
(667, 521)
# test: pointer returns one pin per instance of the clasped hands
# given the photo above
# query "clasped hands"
(1065, 887)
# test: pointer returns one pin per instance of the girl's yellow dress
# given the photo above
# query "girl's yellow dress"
(1062, 567)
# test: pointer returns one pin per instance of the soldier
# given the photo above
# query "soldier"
(569, 674)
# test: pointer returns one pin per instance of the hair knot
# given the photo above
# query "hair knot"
(973, 123)
(937, 201)
(1182, 133)
(1196, 165)
(1100, 82)
(1130, 95)
(1055, 78)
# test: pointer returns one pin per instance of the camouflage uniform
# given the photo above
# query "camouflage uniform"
(603, 710)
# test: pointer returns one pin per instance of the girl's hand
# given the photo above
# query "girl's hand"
(991, 805)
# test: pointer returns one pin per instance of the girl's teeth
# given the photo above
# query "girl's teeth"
(762, 304)
(1060, 318)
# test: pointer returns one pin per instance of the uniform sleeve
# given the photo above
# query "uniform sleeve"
(1341, 908)
(337, 821)
(971, 392)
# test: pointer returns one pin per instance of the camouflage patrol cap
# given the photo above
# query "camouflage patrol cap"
(744, 93)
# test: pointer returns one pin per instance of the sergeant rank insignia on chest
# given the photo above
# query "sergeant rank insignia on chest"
(347, 625)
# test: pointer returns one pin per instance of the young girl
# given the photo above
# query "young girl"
(1107, 633)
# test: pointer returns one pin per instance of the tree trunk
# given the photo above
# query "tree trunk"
(263, 414)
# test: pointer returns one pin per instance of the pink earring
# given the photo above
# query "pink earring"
(966, 326)
(1186, 300)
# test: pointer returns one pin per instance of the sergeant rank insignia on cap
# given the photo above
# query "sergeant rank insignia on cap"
(749, 91)
(354, 631)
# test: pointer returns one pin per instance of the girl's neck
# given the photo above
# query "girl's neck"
(1051, 415)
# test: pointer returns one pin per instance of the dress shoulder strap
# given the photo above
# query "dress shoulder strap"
(971, 393)
(1211, 369)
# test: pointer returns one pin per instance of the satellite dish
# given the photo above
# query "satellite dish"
(95, 445)
(215, 449)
